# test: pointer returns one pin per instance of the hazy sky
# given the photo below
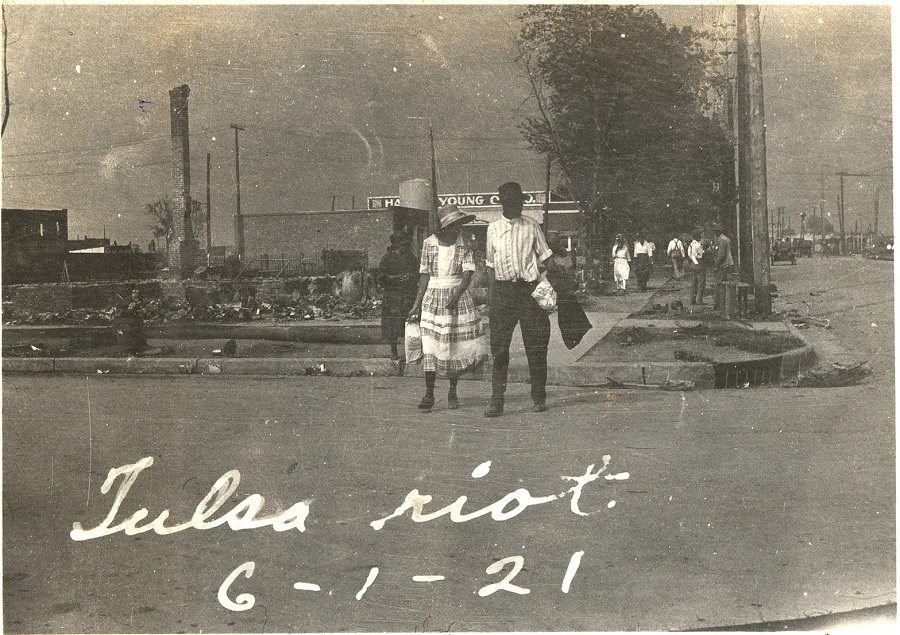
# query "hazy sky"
(335, 100)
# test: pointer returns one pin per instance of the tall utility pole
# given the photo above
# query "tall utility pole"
(208, 214)
(841, 217)
(822, 200)
(238, 219)
(758, 191)
(742, 226)
(547, 199)
(877, 191)
(812, 225)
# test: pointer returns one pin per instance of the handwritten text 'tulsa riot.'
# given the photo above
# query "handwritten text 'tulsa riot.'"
(246, 514)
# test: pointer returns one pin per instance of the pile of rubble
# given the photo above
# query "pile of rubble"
(73, 316)
(833, 376)
(158, 311)
(801, 321)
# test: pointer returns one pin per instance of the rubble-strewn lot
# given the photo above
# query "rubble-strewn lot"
(159, 311)
(159, 301)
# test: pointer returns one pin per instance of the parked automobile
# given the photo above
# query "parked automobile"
(881, 250)
(803, 248)
(783, 251)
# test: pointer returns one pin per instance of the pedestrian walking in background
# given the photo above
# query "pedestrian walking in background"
(621, 257)
(516, 252)
(696, 268)
(400, 271)
(643, 261)
(675, 253)
(453, 339)
(724, 264)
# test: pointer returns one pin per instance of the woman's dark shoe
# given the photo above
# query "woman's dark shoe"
(494, 409)
(426, 403)
(453, 402)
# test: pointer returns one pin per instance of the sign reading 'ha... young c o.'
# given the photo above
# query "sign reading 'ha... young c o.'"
(484, 199)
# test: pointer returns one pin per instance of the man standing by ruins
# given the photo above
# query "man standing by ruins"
(724, 264)
(516, 253)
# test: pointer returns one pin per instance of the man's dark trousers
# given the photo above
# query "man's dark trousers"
(698, 283)
(511, 303)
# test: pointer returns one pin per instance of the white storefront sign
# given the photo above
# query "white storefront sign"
(463, 200)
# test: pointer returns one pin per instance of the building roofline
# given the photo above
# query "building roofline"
(34, 209)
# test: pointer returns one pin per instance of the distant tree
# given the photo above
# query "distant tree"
(160, 211)
(621, 104)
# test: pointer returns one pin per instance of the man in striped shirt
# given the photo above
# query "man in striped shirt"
(516, 252)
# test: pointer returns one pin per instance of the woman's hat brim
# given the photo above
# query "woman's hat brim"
(453, 219)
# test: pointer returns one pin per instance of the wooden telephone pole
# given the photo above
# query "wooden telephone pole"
(208, 213)
(238, 219)
(877, 192)
(752, 124)
(743, 235)
(841, 207)
(547, 199)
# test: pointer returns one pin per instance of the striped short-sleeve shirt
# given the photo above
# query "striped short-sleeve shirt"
(514, 248)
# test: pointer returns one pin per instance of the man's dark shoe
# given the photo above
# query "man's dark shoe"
(539, 407)
(426, 403)
(494, 409)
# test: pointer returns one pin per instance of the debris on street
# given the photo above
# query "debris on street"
(681, 384)
(833, 376)
(229, 349)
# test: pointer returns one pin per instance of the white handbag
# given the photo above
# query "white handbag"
(545, 295)
(413, 342)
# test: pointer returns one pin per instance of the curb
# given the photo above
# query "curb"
(798, 359)
(334, 367)
(704, 375)
(331, 366)
(311, 332)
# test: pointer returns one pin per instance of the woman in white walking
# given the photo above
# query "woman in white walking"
(621, 257)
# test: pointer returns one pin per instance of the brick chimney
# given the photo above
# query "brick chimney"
(183, 246)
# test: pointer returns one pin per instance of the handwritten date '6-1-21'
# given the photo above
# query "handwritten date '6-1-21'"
(246, 601)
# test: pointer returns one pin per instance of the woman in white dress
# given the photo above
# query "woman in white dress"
(621, 257)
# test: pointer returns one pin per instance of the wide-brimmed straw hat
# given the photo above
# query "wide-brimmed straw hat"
(452, 215)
